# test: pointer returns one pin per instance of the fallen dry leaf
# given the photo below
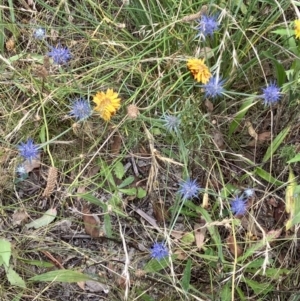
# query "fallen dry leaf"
(81, 284)
(200, 233)
(19, 217)
(273, 234)
(234, 248)
(91, 223)
(251, 130)
(209, 105)
(159, 211)
(116, 144)
(96, 287)
(181, 255)
(265, 136)
(31, 165)
(218, 140)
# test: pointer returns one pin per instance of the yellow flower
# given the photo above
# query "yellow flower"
(297, 29)
(199, 70)
(107, 103)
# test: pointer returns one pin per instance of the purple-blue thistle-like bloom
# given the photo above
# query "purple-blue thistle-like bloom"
(171, 123)
(214, 87)
(159, 251)
(207, 26)
(28, 150)
(81, 109)
(188, 189)
(39, 33)
(271, 94)
(238, 206)
(59, 54)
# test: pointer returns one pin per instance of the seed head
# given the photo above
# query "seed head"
(59, 54)
(28, 150)
(188, 189)
(159, 251)
(81, 109)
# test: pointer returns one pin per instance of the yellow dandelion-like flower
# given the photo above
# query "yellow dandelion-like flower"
(297, 29)
(199, 70)
(107, 103)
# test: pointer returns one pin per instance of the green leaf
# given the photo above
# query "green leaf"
(141, 193)
(14, 278)
(5, 251)
(92, 199)
(18, 297)
(280, 71)
(185, 282)
(43, 136)
(259, 287)
(247, 104)
(295, 159)
(119, 170)
(48, 217)
(155, 265)
(38, 263)
(188, 238)
(225, 293)
(266, 176)
(126, 182)
(61, 276)
(107, 225)
(275, 144)
(129, 191)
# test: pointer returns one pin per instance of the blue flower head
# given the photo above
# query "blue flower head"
(59, 54)
(171, 123)
(214, 87)
(39, 33)
(238, 206)
(28, 150)
(271, 94)
(81, 109)
(207, 26)
(188, 189)
(159, 251)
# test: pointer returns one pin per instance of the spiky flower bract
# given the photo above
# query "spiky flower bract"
(81, 109)
(188, 189)
(39, 33)
(238, 206)
(214, 87)
(21, 170)
(207, 26)
(107, 103)
(59, 54)
(171, 123)
(271, 94)
(297, 28)
(28, 150)
(159, 251)
(249, 192)
(199, 70)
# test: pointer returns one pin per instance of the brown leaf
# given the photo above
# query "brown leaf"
(31, 165)
(209, 105)
(95, 287)
(19, 217)
(10, 44)
(218, 140)
(159, 211)
(181, 255)
(233, 246)
(251, 130)
(116, 144)
(81, 284)
(91, 223)
(265, 136)
(273, 234)
(200, 233)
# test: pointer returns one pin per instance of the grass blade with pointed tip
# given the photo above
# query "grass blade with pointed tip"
(275, 144)
(61, 276)
(5, 251)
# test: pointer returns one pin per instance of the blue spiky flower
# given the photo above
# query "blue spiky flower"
(39, 33)
(188, 189)
(238, 206)
(271, 94)
(59, 54)
(159, 251)
(81, 109)
(171, 123)
(214, 87)
(207, 26)
(28, 150)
